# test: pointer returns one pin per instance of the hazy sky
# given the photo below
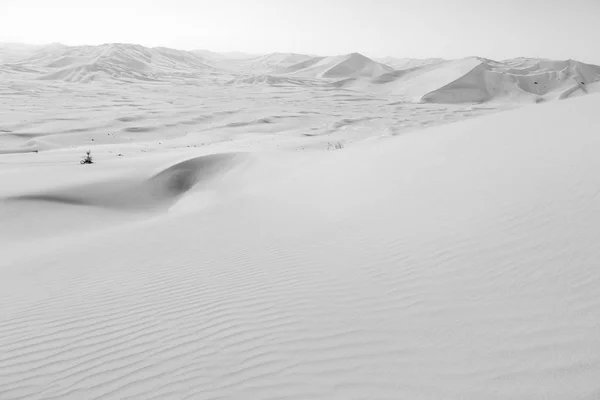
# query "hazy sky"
(412, 28)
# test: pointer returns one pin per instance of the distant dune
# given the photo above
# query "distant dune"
(475, 80)
(113, 61)
(346, 66)
(278, 60)
(273, 80)
(433, 80)
(407, 63)
(252, 63)
(540, 79)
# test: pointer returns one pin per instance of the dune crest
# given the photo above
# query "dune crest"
(346, 66)
(159, 191)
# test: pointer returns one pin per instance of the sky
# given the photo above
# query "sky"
(494, 29)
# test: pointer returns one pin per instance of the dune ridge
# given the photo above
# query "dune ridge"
(161, 190)
(478, 80)
(346, 66)
(113, 61)
(433, 80)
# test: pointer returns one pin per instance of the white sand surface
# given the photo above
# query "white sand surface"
(219, 247)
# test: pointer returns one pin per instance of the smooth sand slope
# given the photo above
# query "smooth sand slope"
(454, 262)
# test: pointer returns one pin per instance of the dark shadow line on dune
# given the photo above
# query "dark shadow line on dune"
(161, 190)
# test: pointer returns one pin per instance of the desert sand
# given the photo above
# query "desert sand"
(291, 226)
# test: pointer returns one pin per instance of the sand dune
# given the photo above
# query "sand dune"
(408, 63)
(258, 64)
(273, 61)
(456, 262)
(413, 83)
(283, 226)
(274, 80)
(114, 61)
(160, 190)
(475, 80)
(138, 119)
(347, 66)
(542, 80)
(469, 80)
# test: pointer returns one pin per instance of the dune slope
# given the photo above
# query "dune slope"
(456, 262)
(478, 80)
(338, 67)
(113, 61)
(160, 190)
(541, 79)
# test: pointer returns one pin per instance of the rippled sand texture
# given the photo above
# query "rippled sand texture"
(454, 262)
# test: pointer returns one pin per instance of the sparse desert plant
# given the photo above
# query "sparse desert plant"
(335, 146)
(88, 158)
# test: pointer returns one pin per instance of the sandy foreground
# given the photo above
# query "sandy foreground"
(245, 260)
